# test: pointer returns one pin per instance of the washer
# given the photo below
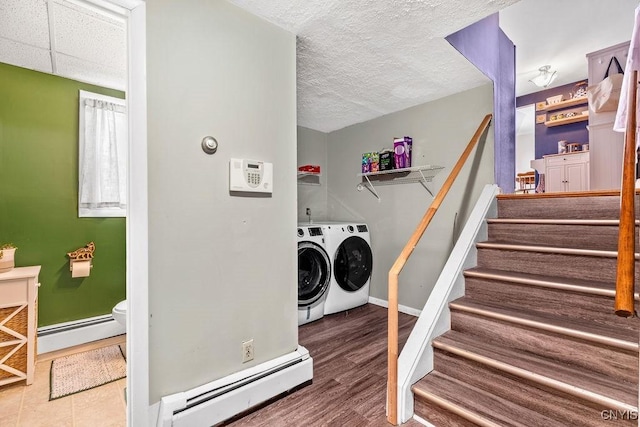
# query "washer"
(314, 273)
(349, 247)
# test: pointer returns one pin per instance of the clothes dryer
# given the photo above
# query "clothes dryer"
(349, 247)
(314, 273)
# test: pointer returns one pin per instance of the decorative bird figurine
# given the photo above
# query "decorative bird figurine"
(83, 253)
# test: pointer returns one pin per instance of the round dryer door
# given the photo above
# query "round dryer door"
(314, 273)
(353, 263)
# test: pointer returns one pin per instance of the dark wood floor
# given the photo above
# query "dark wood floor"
(349, 353)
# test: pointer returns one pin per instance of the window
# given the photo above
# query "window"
(102, 160)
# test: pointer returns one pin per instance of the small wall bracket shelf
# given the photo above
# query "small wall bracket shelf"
(573, 102)
(309, 178)
(421, 174)
(567, 120)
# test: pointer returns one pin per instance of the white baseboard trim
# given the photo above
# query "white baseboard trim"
(401, 308)
(69, 334)
(422, 421)
(222, 399)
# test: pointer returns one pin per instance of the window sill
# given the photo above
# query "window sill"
(102, 213)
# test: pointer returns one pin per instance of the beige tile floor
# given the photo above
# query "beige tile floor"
(29, 406)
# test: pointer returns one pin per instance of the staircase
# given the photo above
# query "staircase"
(534, 341)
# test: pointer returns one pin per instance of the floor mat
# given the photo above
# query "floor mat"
(84, 371)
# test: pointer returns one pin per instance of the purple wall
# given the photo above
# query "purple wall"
(546, 139)
(490, 50)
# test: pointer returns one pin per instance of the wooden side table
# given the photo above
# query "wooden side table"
(18, 324)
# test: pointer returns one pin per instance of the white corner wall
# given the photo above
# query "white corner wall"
(312, 150)
(222, 269)
(441, 130)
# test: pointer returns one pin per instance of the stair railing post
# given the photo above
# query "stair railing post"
(625, 273)
(392, 350)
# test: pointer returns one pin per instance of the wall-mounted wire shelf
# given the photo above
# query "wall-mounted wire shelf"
(421, 174)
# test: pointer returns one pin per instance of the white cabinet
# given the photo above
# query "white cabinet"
(607, 149)
(18, 322)
(606, 146)
(567, 172)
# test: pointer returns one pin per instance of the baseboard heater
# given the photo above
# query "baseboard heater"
(69, 326)
(69, 334)
(222, 399)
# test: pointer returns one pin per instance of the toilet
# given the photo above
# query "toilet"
(119, 312)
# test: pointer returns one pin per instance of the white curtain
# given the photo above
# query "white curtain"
(633, 64)
(103, 156)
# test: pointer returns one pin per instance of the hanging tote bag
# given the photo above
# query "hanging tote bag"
(604, 96)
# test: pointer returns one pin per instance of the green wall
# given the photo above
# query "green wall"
(39, 196)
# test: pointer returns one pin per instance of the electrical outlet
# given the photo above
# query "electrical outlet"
(308, 211)
(247, 351)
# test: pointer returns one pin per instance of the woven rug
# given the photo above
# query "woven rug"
(84, 371)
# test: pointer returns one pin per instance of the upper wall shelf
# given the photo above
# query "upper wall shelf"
(565, 104)
(567, 120)
(421, 174)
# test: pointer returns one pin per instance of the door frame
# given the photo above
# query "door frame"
(138, 405)
(139, 412)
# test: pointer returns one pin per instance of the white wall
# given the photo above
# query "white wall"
(525, 138)
(312, 150)
(222, 269)
(441, 130)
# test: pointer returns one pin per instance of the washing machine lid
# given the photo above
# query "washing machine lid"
(353, 263)
(314, 273)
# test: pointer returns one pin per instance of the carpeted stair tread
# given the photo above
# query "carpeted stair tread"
(541, 280)
(472, 402)
(624, 338)
(582, 383)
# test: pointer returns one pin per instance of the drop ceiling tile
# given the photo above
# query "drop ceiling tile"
(89, 36)
(25, 21)
(90, 72)
(24, 56)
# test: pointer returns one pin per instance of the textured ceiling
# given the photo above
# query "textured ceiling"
(66, 38)
(358, 60)
(561, 33)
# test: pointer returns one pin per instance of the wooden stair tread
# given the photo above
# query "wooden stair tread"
(556, 221)
(626, 338)
(464, 400)
(565, 195)
(588, 385)
(506, 246)
(593, 287)
(532, 335)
